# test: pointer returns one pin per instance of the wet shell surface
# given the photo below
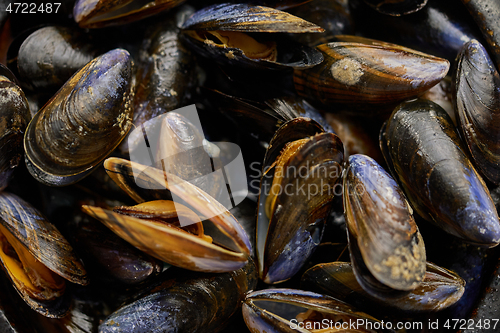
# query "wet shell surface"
(83, 123)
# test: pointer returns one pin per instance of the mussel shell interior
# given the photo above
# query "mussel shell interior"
(290, 54)
(144, 183)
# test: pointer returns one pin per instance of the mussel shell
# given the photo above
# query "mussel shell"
(368, 73)
(175, 247)
(332, 15)
(422, 147)
(251, 19)
(279, 4)
(290, 55)
(166, 71)
(247, 18)
(274, 310)
(5, 71)
(107, 255)
(47, 245)
(476, 90)
(266, 117)
(103, 13)
(178, 248)
(356, 134)
(41, 238)
(51, 55)
(398, 7)
(440, 28)
(83, 123)
(486, 14)
(257, 119)
(14, 118)
(186, 303)
(291, 107)
(381, 223)
(178, 145)
(440, 288)
(290, 235)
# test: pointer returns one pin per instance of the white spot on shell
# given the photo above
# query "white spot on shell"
(347, 71)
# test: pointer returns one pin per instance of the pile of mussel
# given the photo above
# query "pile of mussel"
(262, 166)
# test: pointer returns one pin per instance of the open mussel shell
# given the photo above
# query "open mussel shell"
(290, 310)
(14, 118)
(185, 302)
(109, 256)
(366, 73)
(51, 55)
(103, 13)
(83, 123)
(23, 227)
(439, 289)
(421, 145)
(380, 221)
(247, 18)
(221, 32)
(397, 7)
(476, 87)
(290, 221)
(176, 247)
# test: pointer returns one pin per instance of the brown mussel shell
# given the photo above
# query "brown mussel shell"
(423, 149)
(476, 87)
(46, 244)
(83, 123)
(178, 248)
(14, 118)
(439, 289)
(285, 310)
(103, 13)
(287, 237)
(380, 221)
(365, 73)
